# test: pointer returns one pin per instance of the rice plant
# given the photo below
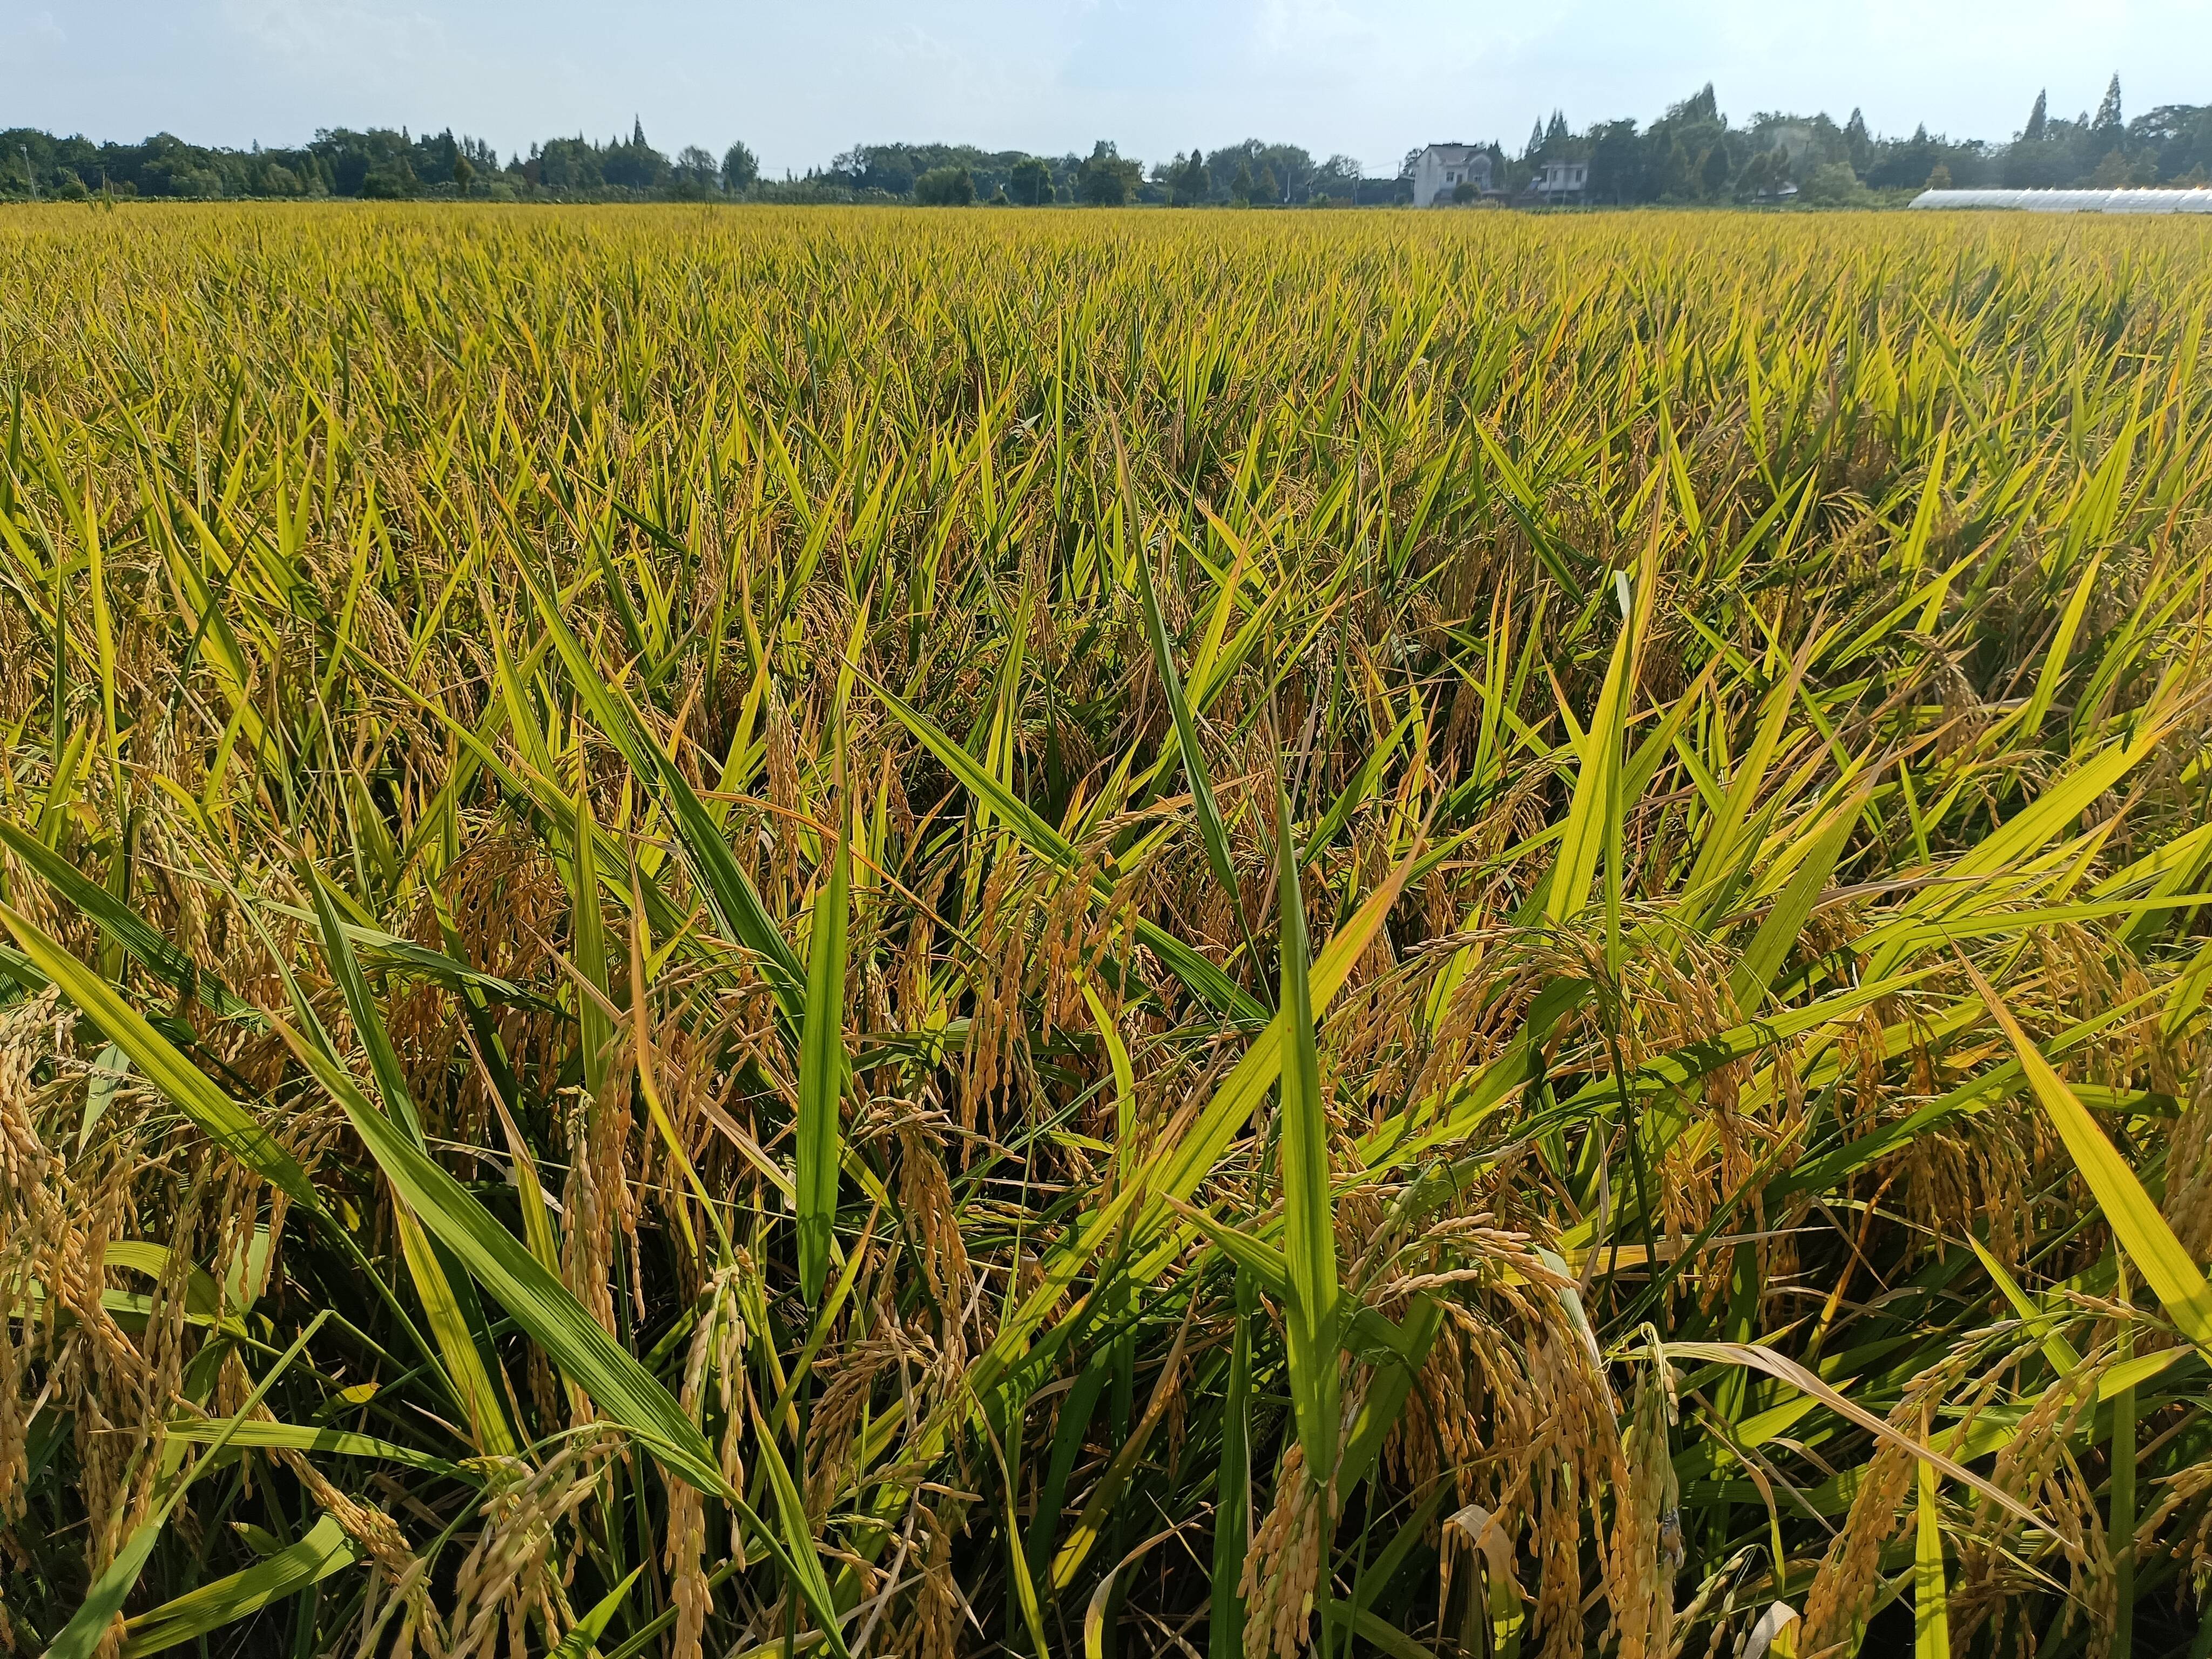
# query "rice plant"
(778, 931)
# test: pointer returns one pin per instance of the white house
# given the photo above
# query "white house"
(1557, 181)
(1441, 169)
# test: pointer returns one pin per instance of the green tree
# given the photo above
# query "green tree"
(1616, 164)
(1338, 177)
(946, 187)
(1678, 151)
(389, 181)
(1030, 182)
(1858, 143)
(2106, 130)
(1187, 180)
(1106, 179)
(1267, 190)
(1241, 187)
(694, 176)
(1756, 176)
(1713, 172)
(740, 169)
(634, 164)
(2039, 120)
(1834, 185)
(565, 164)
(464, 173)
(347, 158)
(1940, 177)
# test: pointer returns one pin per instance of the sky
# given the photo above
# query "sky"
(801, 82)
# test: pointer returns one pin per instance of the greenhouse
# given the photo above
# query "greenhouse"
(2198, 200)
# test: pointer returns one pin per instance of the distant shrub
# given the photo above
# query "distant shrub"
(1834, 185)
(1030, 182)
(388, 183)
(946, 187)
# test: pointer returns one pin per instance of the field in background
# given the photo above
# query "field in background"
(922, 934)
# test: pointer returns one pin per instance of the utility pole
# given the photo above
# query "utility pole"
(30, 177)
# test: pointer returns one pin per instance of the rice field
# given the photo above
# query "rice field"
(773, 932)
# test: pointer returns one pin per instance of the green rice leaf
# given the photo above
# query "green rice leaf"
(324, 1550)
(1309, 1315)
(622, 1388)
(2135, 1221)
(221, 1119)
(736, 906)
(124, 925)
(822, 1071)
(584, 1634)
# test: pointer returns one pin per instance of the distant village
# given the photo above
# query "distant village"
(1691, 153)
(1446, 175)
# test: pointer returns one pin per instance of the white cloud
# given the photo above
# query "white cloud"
(31, 31)
(348, 37)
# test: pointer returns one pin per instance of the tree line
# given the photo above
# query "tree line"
(1691, 153)
(380, 163)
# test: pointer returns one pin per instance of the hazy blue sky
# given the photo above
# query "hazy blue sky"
(799, 82)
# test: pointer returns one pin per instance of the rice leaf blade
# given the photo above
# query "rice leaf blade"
(1309, 1210)
(822, 1071)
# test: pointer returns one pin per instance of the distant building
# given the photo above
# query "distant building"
(1441, 169)
(2198, 200)
(1560, 181)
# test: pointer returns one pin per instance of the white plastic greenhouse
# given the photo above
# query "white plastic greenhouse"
(2071, 201)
